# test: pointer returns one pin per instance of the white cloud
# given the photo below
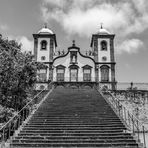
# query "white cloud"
(130, 46)
(83, 17)
(58, 3)
(27, 45)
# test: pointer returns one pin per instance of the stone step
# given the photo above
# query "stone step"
(77, 146)
(89, 112)
(72, 128)
(76, 137)
(72, 131)
(84, 112)
(75, 117)
(109, 145)
(77, 122)
(74, 134)
(74, 125)
(56, 123)
(72, 140)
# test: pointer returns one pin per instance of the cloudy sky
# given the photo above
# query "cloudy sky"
(79, 19)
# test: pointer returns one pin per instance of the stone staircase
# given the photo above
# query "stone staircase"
(74, 118)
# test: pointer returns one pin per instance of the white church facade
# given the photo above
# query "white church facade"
(97, 66)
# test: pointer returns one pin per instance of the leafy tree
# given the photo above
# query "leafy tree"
(17, 74)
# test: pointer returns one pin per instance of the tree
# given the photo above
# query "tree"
(17, 74)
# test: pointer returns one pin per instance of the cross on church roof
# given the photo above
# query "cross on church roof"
(73, 43)
(101, 25)
(45, 25)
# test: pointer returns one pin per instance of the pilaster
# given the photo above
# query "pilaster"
(35, 48)
(96, 49)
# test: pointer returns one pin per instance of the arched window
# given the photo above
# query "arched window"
(104, 45)
(86, 73)
(43, 45)
(42, 75)
(104, 73)
(60, 72)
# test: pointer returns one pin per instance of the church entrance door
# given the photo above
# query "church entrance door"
(73, 75)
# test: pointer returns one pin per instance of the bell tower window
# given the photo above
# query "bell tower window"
(43, 45)
(103, 45)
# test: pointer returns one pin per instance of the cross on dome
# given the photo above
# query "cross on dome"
(101, 25)
(73, 43)
(102, 31)
(45, 25)
(45, 30)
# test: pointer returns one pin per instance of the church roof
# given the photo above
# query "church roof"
(45, 30)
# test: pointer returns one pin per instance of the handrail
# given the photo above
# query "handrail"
(9, 128)
(21, 109)
(131, 121)
(126, 109)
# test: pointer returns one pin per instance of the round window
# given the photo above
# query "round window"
(43, 58)
(104, 58)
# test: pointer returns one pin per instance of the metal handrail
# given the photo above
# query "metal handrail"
(9, 128)
(21, 109)
(126, 109)
(131, 121)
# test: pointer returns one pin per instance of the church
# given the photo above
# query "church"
(97, 66)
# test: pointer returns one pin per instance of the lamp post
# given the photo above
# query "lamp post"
(131, 85)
